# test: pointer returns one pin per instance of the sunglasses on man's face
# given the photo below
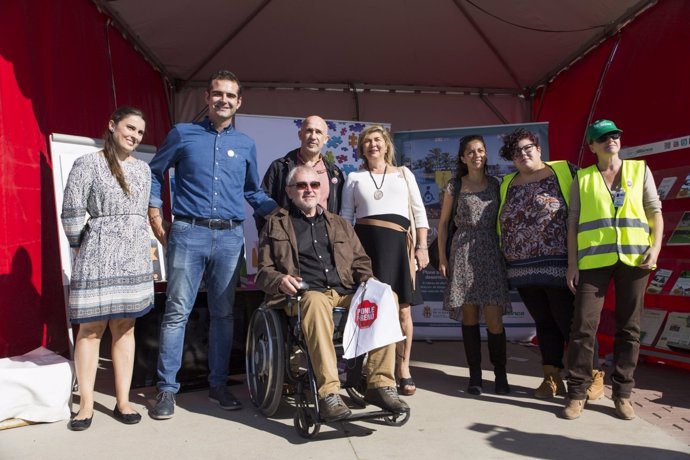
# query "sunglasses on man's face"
(302, 186)
(606, 137)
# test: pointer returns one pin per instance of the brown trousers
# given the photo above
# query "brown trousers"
(317, 326)
(630, 283)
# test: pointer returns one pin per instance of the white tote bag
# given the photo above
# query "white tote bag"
(372, 321)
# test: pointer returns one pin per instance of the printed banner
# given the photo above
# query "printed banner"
(432, 156)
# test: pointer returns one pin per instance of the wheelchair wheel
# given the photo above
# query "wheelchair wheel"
(356, 381)
(265, 360)
(356, 393)
(305, 423)
(397, 419)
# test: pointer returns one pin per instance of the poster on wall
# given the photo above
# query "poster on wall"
(681, 234)
(661, 276)
(665, 186)
(650, 323)
(684, 191)
(432, 156)
(682, 284)
(676, 333)
(275, 137)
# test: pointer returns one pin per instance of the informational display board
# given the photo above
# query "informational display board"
(432, 156)
(64, 151)
(275, 137)
(667, 145)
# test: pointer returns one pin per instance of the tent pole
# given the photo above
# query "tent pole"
(493, 108)
(597, 95)
(131, 36)
(355, 96)
(225, 42)
(488, 42)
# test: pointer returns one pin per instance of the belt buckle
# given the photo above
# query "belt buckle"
(215, 224)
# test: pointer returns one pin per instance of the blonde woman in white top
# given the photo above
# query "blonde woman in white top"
(378, 199)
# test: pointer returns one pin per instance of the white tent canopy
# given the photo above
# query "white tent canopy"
(417, 64)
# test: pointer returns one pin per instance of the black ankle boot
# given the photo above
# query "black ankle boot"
(497, 354)
(472, 341)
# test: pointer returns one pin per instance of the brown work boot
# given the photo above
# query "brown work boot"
(624, 409)
(552, 384)
(596, 389)
(573, 408)
(332, 408)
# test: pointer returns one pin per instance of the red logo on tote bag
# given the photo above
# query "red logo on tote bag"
(366, 314)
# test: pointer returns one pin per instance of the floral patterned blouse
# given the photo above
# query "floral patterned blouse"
(534, 234)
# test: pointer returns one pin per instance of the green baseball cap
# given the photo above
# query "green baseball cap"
(599, 128)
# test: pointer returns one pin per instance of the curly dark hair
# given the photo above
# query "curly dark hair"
(510, 142)
(461, 168)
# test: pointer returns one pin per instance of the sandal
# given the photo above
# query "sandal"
(406, 387)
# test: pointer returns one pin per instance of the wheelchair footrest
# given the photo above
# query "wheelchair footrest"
(371, 415)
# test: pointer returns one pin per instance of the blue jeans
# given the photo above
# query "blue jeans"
(192, 252)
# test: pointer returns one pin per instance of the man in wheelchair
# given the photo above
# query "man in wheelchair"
(307, 243)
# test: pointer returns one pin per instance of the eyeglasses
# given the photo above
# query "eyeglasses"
(302, 186)
(524, 149)
(606, 137)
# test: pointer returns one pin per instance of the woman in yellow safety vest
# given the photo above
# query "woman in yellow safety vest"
(616, 234)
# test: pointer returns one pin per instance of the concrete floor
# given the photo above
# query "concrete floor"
(446, 423)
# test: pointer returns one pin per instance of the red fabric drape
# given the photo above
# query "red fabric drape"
(54, 77)
(646, 91)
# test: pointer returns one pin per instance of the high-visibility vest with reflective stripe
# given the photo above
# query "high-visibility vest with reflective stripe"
(560, 168)
(607, 234)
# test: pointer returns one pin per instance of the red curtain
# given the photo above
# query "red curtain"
(646, 92)
(55, 77)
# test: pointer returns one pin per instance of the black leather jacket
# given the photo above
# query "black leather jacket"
(275, 181)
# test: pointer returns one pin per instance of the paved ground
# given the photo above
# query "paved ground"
(445, 423)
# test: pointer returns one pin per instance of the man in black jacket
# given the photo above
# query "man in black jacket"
(313, 135)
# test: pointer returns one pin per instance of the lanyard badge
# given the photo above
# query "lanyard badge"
(618, 198)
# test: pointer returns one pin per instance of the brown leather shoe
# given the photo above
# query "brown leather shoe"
(573, 408)
(387, 399)
(624, 409)
(332, 408)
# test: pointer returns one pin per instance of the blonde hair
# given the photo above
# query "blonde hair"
(389, 156)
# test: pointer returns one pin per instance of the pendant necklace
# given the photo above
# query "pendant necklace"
(378, 194)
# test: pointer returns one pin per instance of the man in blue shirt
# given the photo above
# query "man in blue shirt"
(215, 171)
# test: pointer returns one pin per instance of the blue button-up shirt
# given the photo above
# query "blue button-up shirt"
(214, 171)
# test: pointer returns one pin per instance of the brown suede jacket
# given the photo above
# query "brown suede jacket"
(278, 253)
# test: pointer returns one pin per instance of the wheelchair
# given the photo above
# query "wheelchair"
(278, 368)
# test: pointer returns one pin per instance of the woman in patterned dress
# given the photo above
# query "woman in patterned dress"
(477, 287)
(112, 281)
